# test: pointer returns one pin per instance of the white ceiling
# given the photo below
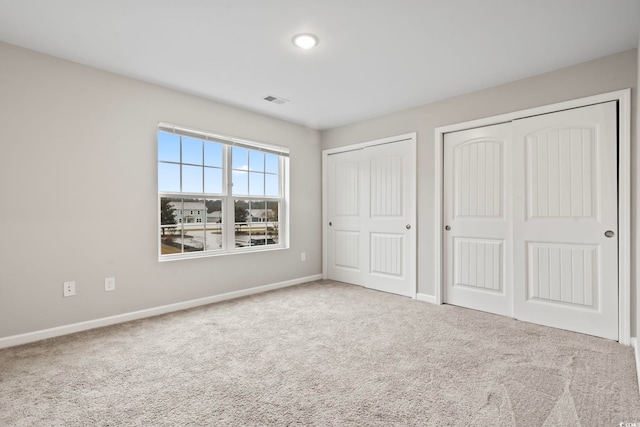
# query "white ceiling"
(374, 56)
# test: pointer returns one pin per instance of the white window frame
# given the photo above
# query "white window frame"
(227, 197)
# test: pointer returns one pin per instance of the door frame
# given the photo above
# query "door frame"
(412, 137)
(623, 97)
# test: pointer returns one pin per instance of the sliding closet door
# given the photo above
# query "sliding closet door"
(531, 219)
(345, 207)
(566, 220)
(477, 217)
(371, 207)
(390, 209)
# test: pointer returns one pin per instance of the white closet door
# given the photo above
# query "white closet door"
(345, 207)
(389, 228)
(566, 220)
(477, 236)
(371, 206)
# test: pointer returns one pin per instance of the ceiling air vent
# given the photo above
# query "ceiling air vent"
(276, 99)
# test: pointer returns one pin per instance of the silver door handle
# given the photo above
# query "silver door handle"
(446, 227)
(408, 227)
(330, 223)
(609, 233)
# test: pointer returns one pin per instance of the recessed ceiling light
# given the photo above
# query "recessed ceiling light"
(305, 41)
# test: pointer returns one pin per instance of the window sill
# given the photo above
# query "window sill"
(210, 254)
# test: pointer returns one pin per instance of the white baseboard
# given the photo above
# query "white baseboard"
(427, 298)
(634, 344)
(141, 314)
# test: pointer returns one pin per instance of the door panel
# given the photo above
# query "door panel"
(386, 177)
(387, 255)
(347, 249)
(565, 200)
(559, 173)
(346, 172)
(478, 263)
(477, 245)
(563, 273)
(345, 209)
(478, 176)
(390, 211)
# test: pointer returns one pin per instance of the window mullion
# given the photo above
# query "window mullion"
(182, 225)
(180, 163)
(229, 218)
(203, 187)
(204, 200)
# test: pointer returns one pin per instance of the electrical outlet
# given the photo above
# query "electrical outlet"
(69, 289)
(303, 256)
(109, 284)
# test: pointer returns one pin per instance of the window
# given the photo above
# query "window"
(219, 195)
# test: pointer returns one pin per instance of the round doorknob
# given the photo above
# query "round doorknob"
(609, 233)
(408, 226)
(330, 223)
(446, 227)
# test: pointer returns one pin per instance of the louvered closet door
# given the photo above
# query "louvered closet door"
(566, 219)
(477, 237)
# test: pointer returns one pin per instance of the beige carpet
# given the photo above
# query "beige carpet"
(323, 354)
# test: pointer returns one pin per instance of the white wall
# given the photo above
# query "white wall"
(606, 74)
(635, 292)
(78, 195)
(78, 183)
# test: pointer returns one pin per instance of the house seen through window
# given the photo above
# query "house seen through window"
(219, 194)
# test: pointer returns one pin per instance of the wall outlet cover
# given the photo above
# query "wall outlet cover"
(69, 289)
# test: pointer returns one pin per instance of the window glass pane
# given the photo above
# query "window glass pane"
(272, 185)
(169, 210)
(273, 209)
(242, 229)
(214, 211)
(170, 228)
(168, 177)
(272, 164)
(170, 243)
(258, 211)
(239, 158)
(272, 231)
(273, 234)
(191, 150)
(260, 233)
(212, 154)
(240, 183)
(258, 223)
(212, 180)
(256, 184)
(168, 147)
(191, 179)
(194, 216)
(214, 224)
(256, 161)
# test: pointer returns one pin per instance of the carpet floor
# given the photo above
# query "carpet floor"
(320, 354)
